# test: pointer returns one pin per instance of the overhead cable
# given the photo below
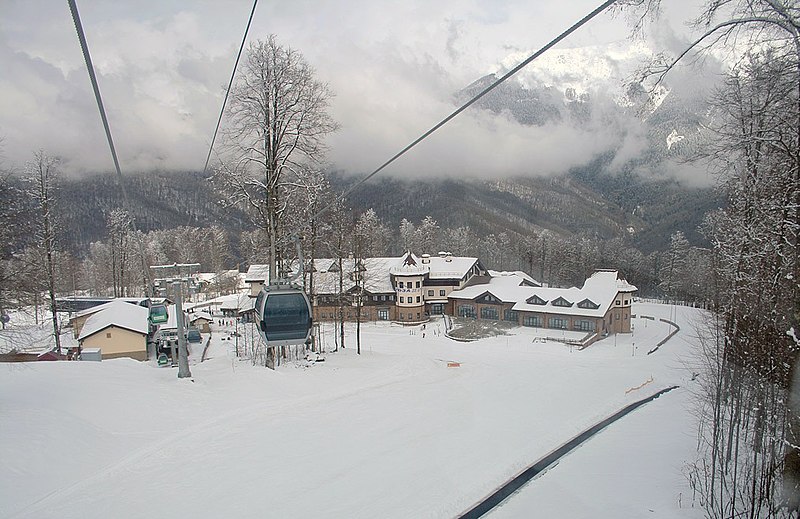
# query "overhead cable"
(90, 67)
(76, 19)
(230, 84)
(469, 103)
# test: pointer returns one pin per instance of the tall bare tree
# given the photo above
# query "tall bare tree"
(119, 229)
(42, 174)
(277, 120)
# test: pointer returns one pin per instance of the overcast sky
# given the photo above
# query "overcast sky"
(394, 67)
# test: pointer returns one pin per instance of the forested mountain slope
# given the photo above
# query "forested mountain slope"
(584, 202)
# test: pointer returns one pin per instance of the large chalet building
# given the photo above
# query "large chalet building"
(411, 288)
(602, 305)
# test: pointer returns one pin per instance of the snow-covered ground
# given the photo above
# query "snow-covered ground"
(394, 432)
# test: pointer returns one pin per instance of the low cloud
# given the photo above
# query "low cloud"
(162, 71)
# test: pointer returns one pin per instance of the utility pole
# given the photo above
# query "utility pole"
(177, 276)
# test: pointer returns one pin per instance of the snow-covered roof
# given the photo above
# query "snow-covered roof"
(213, 277)
(238, 302)
(120, 314)
(200, 315)
(375, 274)
(127, 300)
(514, 277)
(409, 265)
(257, 274)
(601, 289)
(448, 267)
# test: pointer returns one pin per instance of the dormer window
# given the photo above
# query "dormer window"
(487, 298)
(587, 303)
(535, 300)
(561, 302)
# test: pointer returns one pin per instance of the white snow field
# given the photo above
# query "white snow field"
(394, 432)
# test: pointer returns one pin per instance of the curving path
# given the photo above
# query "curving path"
(514, 484)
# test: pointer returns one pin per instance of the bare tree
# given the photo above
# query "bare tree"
(277, 121)
(749, 464)
(41, 174)
(369, 235)
(12, 239)
(119, 224)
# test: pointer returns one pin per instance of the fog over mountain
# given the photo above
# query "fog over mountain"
(594, 100)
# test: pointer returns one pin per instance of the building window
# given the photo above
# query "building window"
(383, 314)
(558, 322)
(510, 315)
(466, 311)
(430, 293)
(374, 298)
(585, 325)
(616, 316)
(401, 299)
(441, 293)
(417, 299)
(108, 335)
(488, 312)
(616, 302)
(417, 284)
(400, 284)
(401, 316)
(391, 298)
(532, 320)
(418, 315)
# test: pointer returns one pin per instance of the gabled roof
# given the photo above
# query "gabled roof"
(120, 314)
(489, 296)
(561, 301)
(535, 300)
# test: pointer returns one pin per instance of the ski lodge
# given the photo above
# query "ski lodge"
(411, 288)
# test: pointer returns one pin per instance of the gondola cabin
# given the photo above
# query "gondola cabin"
(284, 315)
(158, 314)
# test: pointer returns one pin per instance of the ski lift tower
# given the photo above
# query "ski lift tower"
(177, 276)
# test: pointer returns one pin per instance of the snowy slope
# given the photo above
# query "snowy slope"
(392, 433)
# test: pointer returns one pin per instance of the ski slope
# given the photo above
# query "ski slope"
(394, 432)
